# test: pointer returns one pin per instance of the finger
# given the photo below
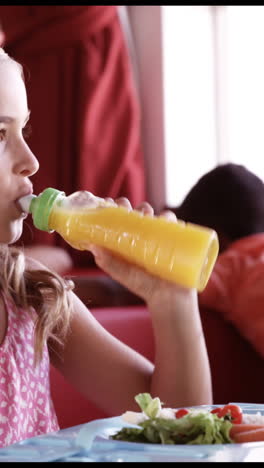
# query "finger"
(169, 215)
(87, 199)
(145, 208)
(123, 201)
(110, 201)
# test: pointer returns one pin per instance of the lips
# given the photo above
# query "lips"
(19, 209)
(23, 193)
(27, 189)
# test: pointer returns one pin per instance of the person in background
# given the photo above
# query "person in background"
(230, 199)
(86, 118)
(43, 321)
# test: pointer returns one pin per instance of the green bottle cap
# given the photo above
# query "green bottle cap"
(41, 206)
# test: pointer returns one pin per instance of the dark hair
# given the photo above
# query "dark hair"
(228, 199)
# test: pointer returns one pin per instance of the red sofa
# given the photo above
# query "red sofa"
(236, 368)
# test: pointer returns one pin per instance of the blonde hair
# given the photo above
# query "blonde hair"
(39, 289)
(44, 291)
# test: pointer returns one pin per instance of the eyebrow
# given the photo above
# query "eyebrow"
(8, 120)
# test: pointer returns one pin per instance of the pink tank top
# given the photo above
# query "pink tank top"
(26, 408)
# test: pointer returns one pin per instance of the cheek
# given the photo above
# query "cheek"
(5, 171)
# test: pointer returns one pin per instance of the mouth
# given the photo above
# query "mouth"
(22, 214)
(24, 193)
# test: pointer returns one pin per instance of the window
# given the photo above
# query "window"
(201, 71)
(214, 91)
(245, 85)
(189, 97)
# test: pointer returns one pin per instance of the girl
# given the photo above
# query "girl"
(42, 320)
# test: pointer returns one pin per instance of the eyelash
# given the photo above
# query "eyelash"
(26, 131)
(2, 134)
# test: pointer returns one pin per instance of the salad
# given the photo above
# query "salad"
(157, 425)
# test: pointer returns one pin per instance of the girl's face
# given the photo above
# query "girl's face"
(17, 162)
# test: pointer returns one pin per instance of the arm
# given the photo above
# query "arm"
(111, 374)
(181, 375)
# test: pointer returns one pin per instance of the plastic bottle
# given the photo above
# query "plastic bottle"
(180, 252)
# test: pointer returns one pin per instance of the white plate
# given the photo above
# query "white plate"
(91, 443)
(94, 437)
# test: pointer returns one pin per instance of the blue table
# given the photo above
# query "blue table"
(90, 443)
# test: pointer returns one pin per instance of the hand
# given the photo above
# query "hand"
(150, 288)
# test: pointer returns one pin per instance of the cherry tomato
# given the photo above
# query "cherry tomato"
(181, 412)
(216, 410)
(231, 412)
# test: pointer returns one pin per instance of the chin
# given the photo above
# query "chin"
(14, 234)
(10, 231)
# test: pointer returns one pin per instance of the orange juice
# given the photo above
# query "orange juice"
(176, 251)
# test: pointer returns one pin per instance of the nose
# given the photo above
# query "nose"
(26, 162)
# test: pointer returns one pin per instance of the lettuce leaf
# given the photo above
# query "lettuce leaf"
(150, 406)
(193, 428)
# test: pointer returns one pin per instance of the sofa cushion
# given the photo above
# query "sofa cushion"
(131, 325)
(236, 367)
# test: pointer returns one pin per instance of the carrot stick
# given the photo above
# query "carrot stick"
(254, 435)
(236, 428)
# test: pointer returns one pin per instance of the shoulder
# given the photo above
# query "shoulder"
(52, 257)
(33, 264)
(249, 245)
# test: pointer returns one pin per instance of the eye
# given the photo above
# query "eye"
(2, 134)
(27, 130)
